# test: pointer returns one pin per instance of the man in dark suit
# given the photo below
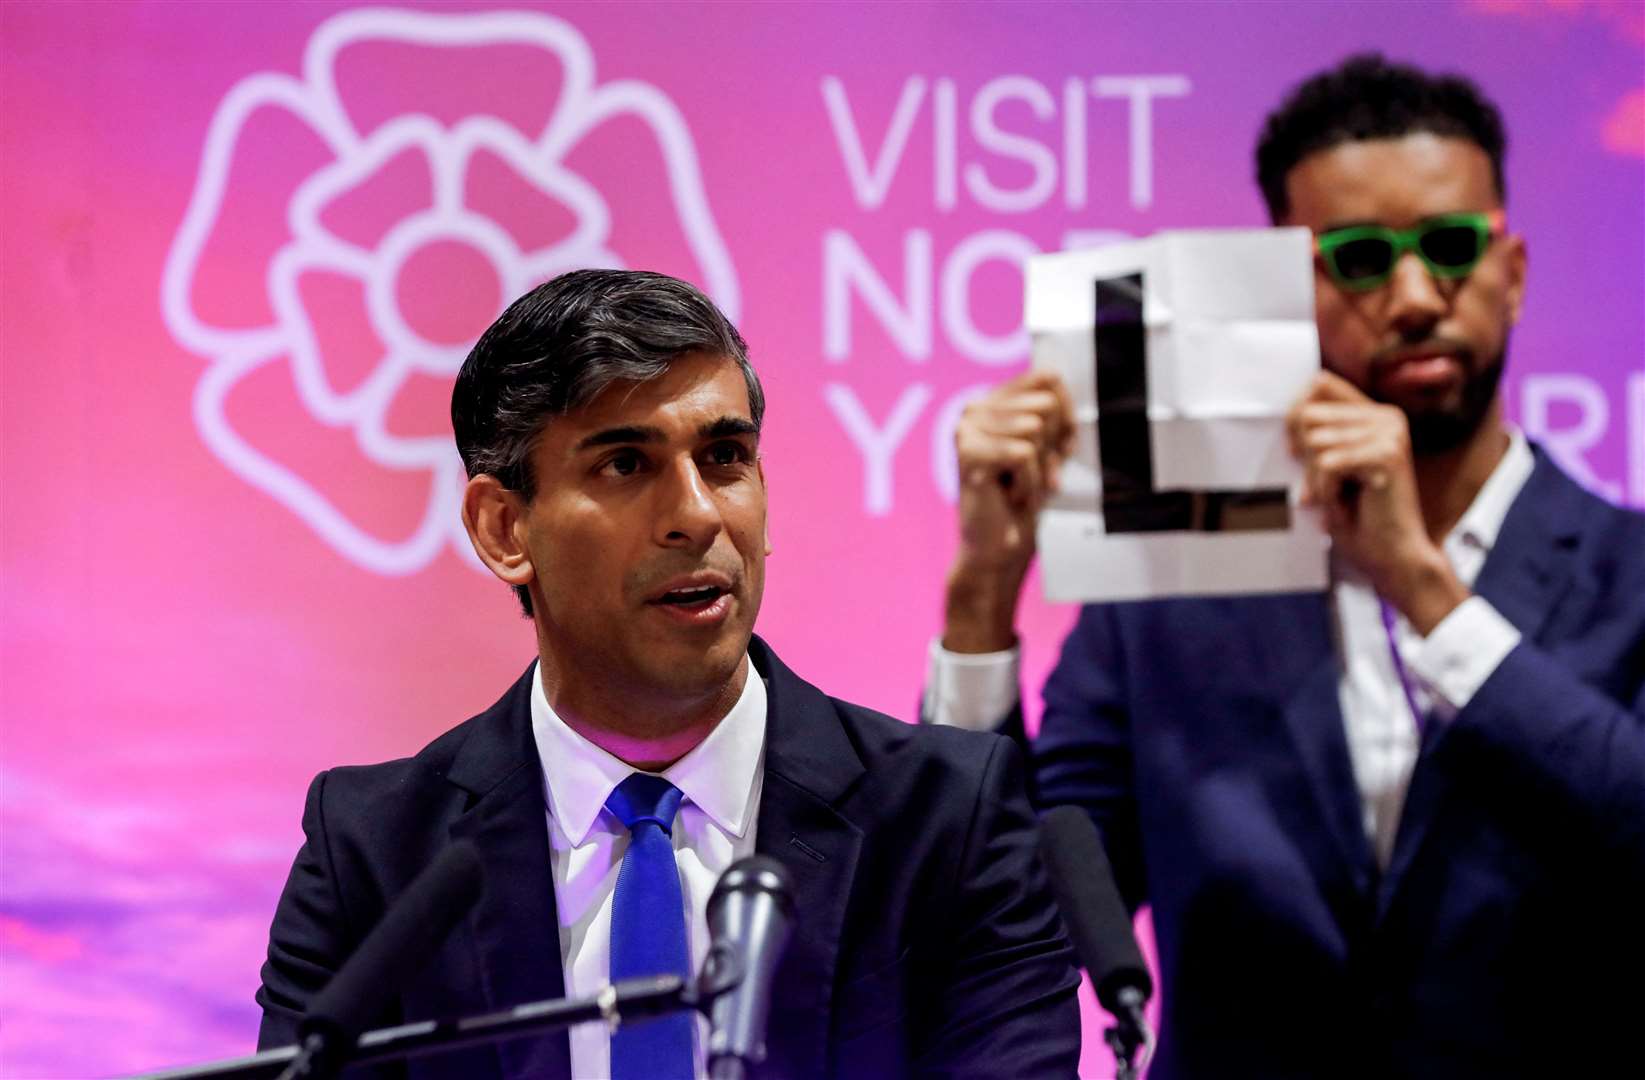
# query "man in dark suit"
(1392, 829)
(610, 425)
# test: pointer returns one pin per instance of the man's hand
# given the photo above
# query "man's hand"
(1010, 446)
(1356, 456)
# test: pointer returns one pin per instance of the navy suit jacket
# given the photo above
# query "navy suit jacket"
(1507, 935)
(927, 942)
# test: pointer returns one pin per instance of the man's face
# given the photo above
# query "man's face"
(1433, 347)
(647, 535)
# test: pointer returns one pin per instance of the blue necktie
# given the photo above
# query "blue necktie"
(648, 929)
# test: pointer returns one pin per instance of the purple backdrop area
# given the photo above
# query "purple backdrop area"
(244, 246)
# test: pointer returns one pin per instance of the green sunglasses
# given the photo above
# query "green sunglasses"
(1362, 257)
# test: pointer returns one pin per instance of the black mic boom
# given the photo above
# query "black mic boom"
(1097, 920)
(750, 918)
(414, 926)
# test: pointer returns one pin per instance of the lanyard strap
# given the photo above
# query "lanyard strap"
(1388, 619)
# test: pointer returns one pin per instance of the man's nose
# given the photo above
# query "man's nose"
(1415, 302)
(687, 514)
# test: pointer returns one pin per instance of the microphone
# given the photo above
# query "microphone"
(413, 927)
(1099, 925)
(750, 919)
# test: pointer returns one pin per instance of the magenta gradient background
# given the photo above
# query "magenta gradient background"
(181, 652)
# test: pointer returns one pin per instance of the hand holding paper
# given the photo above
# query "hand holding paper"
(1010, 446)
(1356, 455)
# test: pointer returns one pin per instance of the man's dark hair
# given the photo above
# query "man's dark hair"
(1366, 97)
(560, 344)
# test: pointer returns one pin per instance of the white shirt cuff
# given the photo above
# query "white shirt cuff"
(1461, 652)
(975, 691)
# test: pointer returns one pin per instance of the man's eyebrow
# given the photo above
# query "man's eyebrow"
(618, 435)
(1357, 223)
(729, 426)
(725, 427)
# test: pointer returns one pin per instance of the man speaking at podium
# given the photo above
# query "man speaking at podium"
(610, 425)
(1396, 829)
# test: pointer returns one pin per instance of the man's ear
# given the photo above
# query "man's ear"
(759, 466)
(495, 519)
(1516, 277)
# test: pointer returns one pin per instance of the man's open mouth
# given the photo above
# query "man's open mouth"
(691, 597)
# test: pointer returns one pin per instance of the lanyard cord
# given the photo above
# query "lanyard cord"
(1388, 619)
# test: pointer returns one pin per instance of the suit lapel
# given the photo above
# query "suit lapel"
(1525, 577)
(1528, 571)
(1301, 644)
(810, 765)
(515, 927)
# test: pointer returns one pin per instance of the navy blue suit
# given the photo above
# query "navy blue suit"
(1507, 935)
(927, 942)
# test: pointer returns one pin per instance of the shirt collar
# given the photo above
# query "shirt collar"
(1482, 521)
(717, 775)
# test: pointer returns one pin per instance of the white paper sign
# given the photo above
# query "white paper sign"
(1183, 353)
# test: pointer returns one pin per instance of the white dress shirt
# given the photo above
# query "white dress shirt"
(1446, 668)
(721, 779)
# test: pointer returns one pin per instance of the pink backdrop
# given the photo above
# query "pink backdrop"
(245, 245)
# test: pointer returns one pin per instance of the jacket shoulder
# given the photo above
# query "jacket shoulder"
(878, 735)
(1605, 542)
(399, 777)
(924, 766)
(473, 756)
(1615, 539)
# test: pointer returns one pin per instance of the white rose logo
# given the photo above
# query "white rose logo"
(408, 346)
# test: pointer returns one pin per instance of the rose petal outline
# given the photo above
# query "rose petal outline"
(580, 108)
(398, 245)
(398, 451)
(581, 197)
(206, 202)
(386, 557)
(446, 29)
(685, 184)
(302, 344)
(313, 195)
(315, 101)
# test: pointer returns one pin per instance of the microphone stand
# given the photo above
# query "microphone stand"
(1129, 1034)
(619, 1002)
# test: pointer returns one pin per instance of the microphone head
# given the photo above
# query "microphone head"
(1098, 922)
(753, 873)
(750, 919)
